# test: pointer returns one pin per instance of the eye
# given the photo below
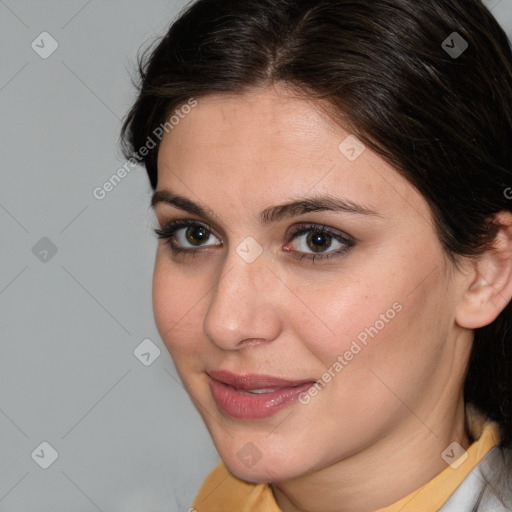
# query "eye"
(187, 235)
(318, 242)
(312, 241)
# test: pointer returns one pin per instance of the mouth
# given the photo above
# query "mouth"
(251, 396)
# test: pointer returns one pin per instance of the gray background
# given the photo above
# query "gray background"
(126, 434)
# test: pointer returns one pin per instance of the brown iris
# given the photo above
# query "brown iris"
(197, 234)
(318, 241)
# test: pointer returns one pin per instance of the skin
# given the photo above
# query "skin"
(396, 406)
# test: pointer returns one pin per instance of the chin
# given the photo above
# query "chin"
(251, 475)
(254, 466)
(257, 474)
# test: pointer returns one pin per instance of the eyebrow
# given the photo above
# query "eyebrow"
(271, 214)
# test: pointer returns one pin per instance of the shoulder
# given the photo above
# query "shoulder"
(497, 473)
(488, 488)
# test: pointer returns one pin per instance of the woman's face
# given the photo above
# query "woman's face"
(302, 261)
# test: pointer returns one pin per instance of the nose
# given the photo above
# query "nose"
(243, 307)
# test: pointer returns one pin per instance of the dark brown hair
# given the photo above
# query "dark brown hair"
(385, 68)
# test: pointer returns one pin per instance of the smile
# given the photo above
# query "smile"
(254, 396)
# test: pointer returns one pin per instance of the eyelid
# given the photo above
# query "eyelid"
(167, 232)
(302, 228)
(347, 241)
(165, 227)
(170, 218)
(293, 230)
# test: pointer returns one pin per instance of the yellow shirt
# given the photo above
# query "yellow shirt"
(223, 492)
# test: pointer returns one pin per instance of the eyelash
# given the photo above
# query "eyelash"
(168, 231)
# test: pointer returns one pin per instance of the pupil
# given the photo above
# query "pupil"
(318, 241)
(197, 234)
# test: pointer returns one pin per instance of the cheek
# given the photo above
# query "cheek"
(368, 320)
(177, 302)
(386, 345)
(344, 312)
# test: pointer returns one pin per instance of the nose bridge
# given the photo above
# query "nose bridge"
(241, 307)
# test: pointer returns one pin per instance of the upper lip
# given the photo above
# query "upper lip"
(249, 381)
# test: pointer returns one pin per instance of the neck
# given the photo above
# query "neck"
(383, 473)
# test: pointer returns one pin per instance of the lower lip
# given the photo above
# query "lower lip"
(250, 407)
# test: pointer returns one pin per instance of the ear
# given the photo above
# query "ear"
(490, 286)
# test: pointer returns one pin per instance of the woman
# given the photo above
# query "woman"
(334, 275)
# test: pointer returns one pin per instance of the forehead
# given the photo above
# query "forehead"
(266, 146)
(259, 121)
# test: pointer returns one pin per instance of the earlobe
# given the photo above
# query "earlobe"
(490, 289)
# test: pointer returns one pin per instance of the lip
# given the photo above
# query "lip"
(230, 392)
